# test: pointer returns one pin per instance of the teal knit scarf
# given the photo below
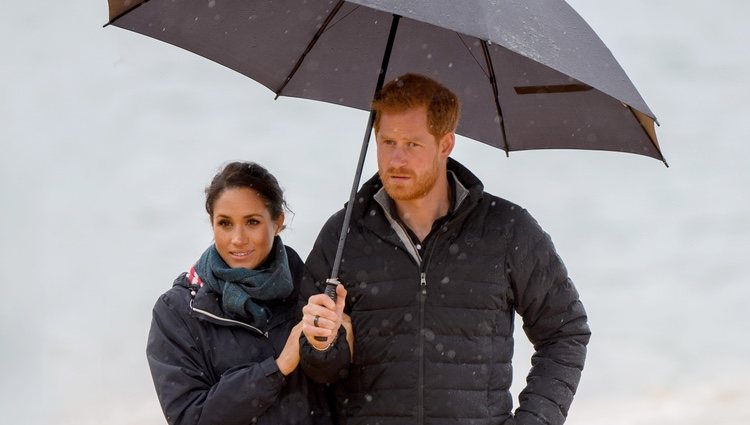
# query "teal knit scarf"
(243, 291)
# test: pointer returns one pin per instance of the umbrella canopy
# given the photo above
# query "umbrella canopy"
(531, 74)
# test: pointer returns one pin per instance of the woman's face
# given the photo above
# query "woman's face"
(243, 227)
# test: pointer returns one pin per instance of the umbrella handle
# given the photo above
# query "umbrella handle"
(330, 290)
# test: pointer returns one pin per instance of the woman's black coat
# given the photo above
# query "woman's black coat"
(208, 369)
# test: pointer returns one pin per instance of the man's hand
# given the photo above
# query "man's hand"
(322, 317)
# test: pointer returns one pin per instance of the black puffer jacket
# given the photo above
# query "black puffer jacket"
(209, 370)
(434, 335)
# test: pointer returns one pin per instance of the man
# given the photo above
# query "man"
(434, 269)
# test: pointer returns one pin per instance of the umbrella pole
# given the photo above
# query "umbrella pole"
(333, 281)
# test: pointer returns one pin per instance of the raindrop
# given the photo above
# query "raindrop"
(408, 317)
(375, 290)
(445, 280)
(429, 335)
(211, 3)
(451, 354)
(372, 213)
(450, 65)
(429, 56)
(368, 397)
(492, 204)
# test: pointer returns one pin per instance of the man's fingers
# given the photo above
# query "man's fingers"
(311, 331)
(310, 311)
(340, 299)
(322, 300)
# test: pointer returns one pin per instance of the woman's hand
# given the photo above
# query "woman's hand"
(289, 357)
(322, 317)
(347, 324)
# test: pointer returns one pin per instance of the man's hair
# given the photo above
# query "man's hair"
(413, 91)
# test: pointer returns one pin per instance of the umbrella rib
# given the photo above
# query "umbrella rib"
(472, 54)
(342, 18)
(309, 47)
(495, 92)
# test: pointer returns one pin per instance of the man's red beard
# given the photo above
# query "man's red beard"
(413, 188)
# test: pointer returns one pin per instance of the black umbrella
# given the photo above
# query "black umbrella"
(530, 74)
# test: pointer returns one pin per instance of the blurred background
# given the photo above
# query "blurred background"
(107, 139)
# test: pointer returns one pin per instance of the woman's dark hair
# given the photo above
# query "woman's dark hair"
(251, 176)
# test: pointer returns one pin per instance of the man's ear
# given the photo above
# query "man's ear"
(446, 144)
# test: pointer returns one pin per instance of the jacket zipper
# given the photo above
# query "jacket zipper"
(420, 388)
(422, 305)
(225, 320)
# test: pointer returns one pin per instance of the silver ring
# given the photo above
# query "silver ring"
(315, 322)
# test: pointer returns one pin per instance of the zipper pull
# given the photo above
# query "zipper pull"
(423, 282)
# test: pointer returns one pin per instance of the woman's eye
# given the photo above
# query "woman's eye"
(253, 222)
(224, 223)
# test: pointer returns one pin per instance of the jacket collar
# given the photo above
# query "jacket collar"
(205, 305)
(374, 206)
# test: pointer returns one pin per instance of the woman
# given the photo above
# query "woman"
(224, 341)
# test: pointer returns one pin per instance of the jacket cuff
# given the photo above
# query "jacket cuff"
(269, 366)
(325, 366)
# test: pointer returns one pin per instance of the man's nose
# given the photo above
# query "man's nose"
(398, 156)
